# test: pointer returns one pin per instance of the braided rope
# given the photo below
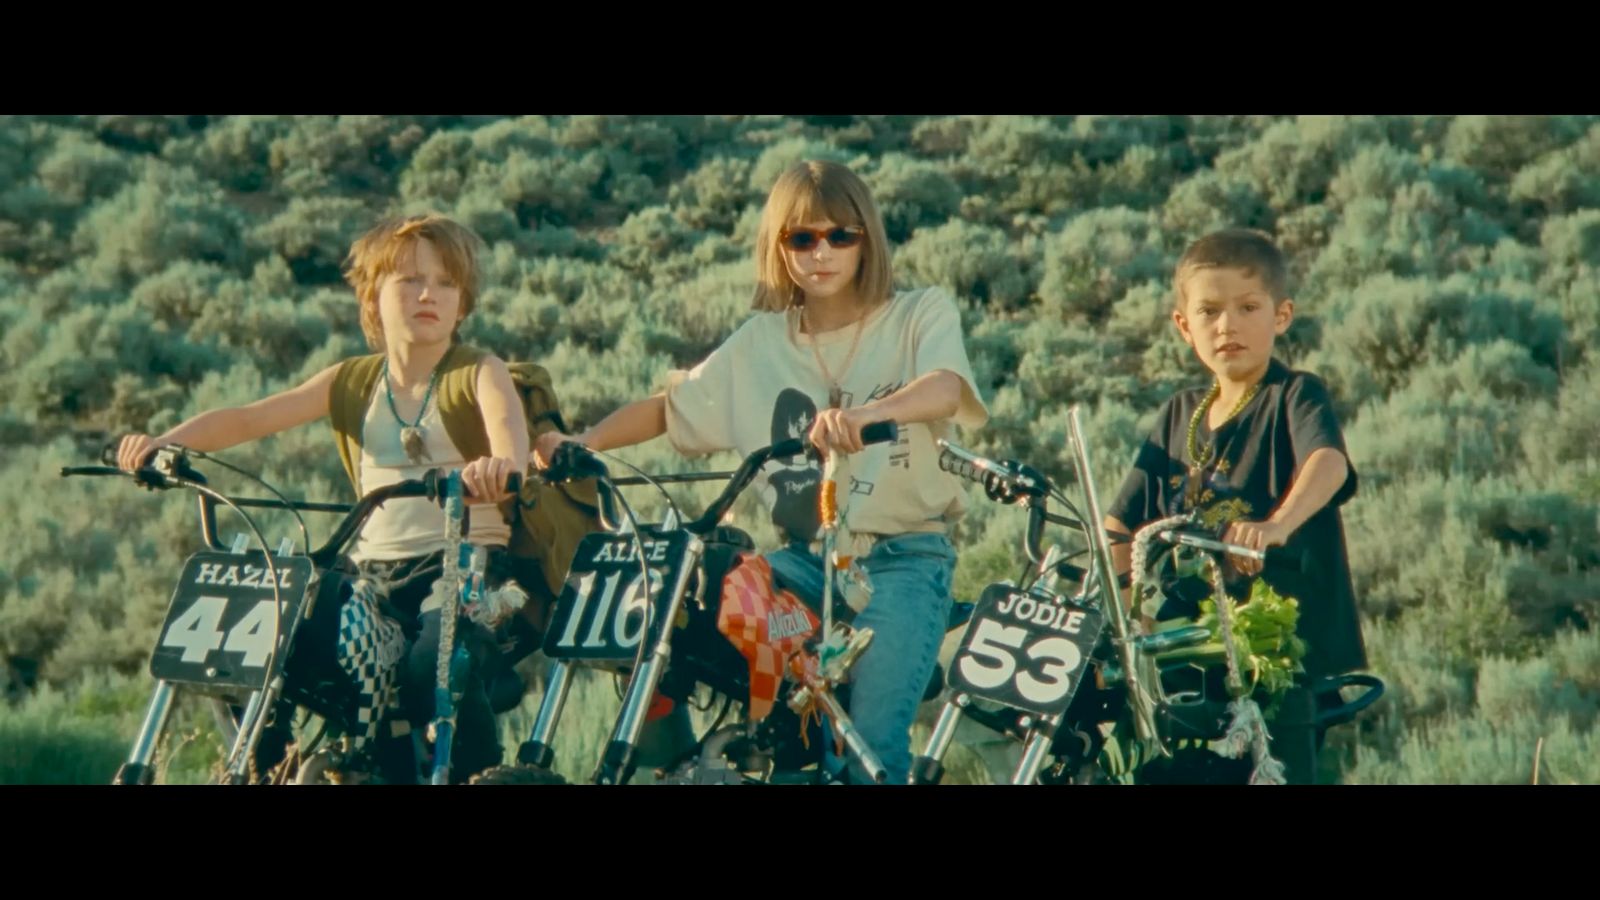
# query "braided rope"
(1247, 730)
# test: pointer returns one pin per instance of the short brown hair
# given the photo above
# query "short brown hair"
(1235, 248)
(378, 252)
(808, 191)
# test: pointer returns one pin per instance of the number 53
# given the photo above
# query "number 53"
(996, 642)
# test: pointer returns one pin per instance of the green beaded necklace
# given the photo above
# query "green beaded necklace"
(1198, 461)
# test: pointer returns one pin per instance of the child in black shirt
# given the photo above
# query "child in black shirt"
(1260, 455)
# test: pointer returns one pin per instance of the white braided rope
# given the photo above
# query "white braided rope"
(1143, 703)
(1141, 552)
(447, 590)
(835, 469)
(1219, 593)
(1247, 730)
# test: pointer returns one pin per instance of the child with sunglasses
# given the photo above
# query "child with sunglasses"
(833, 348)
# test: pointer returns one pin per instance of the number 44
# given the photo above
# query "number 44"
(197, 635)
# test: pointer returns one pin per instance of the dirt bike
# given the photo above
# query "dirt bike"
(229, 632)
(647, 601)
(1055, 662)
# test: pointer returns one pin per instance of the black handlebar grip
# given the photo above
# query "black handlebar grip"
(1297, 558)
(955, 465)
(513, 483)
(1071, 572)
(880, 433)
(181, 467)
(1035, 532)
(571, 461)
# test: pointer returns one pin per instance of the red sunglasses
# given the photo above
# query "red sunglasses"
(841, 237)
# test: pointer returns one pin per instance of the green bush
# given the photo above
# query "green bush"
(1444, 271)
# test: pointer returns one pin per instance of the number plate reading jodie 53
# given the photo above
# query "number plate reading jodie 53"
(1025, 652)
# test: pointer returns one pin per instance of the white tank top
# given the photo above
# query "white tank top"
(412, 526)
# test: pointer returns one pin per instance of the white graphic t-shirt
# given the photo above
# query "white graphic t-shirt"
(763, 385)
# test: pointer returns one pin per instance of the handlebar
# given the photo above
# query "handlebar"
(1012, 482)
(1005, 482)
(572, 460)
(170, 467)
(1296, 557)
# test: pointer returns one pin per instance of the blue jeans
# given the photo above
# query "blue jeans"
(911, 576)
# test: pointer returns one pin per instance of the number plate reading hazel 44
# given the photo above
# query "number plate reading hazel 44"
(219, 627)
(1025, 651)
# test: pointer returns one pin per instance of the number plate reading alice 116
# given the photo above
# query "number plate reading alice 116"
(601, 613)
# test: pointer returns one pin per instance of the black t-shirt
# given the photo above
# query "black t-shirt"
(1259, 452)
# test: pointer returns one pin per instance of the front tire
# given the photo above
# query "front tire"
(516, 775)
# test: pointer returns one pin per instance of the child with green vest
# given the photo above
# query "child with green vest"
(422, 401)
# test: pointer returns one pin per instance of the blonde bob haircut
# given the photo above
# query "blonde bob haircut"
(809, 191)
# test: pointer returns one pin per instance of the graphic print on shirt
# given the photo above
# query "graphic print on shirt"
(794, 481)
(900, 452)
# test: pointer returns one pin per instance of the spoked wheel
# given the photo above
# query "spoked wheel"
(516, 775)
(317, 769)
(331, 765)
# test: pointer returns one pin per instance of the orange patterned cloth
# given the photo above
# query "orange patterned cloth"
(765, 624)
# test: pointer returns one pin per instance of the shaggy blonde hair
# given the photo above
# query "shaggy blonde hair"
(379, 252)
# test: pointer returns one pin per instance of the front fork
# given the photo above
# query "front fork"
(537, 750)
(617, 764)
(929, 767)
(1037, 734)
(137, 769)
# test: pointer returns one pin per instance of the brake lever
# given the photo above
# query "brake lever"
(572, 461)
(163, 468)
